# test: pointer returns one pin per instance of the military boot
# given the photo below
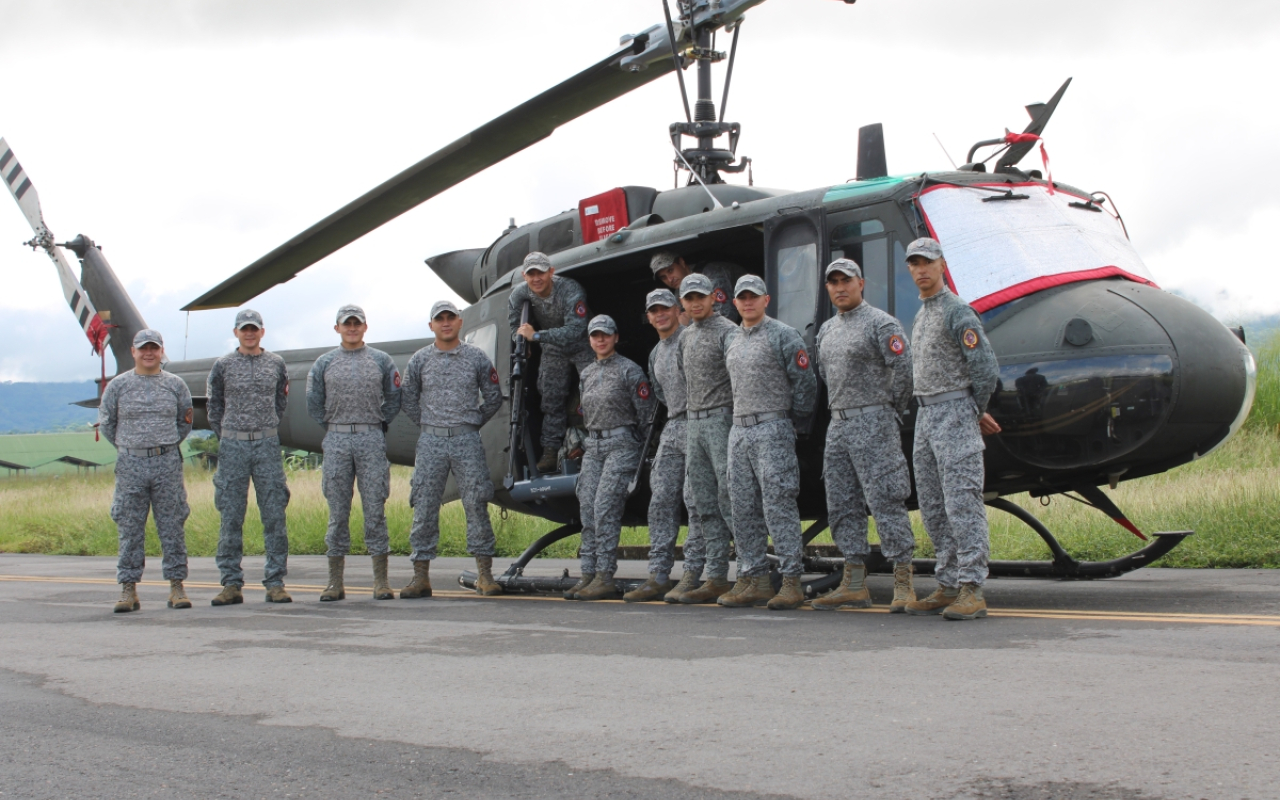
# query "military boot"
(742, 583)
(178, 595)
(790, 596)
(485, 584)
(420, 586)
(277, 594)
(550, 457)
(572, 592)
(334, 590)
(230, 595)
(652, 589)
(969, 603)
(851, 593)
(942, 597)
(381, 586)
(708, 592)
(602, 588)
(128, 599)
(688, 582)
(904, 591)
(758, 592)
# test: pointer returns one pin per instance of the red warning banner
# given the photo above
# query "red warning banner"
(603, 215)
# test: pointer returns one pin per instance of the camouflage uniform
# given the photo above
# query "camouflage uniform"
(723, 276)
(248, 394)
(700, 358)
(952, 354)
(561, 322)
(864, 358)
(771, 374)
(454, 393)
(668, 482)
(140, 413)
(615, 395)
(358, 388)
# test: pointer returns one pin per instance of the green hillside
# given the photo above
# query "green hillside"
(33, 407)
(40, 451)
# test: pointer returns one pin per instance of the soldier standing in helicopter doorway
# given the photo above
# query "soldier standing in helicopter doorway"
(865, 360)
(955, 373)
(616, 400)
(248, 393)
(670, 269)
(558, 322)
(353, 391)
(450, 391)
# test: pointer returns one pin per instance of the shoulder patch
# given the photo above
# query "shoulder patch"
(396, 379)
(802, 360)
(896, 345)
(970, 338)
(189, 416)
(493, 375)
(643, 390)
(580, 308)
(286, 388)
(719, 295)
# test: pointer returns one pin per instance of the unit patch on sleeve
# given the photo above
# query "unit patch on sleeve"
(580, 309)
(719, 295)
(970, 338)
(802, 360)
(396, 379)
(643, 390)
(493, 375)
(896, 345)
(189, 416)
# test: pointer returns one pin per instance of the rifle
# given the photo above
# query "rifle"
(648, 439)
(517, 388)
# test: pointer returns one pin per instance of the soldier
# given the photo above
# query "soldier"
(667, 480)
(558, 306)
(146, 413)
(700, 358)
(864, 358)
(616, 398)
(248, 391)
(670, 269)
(354, 392)
(773, 391)
(450, 391)
(955, 373)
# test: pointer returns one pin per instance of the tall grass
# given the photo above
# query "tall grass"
(1266, 405)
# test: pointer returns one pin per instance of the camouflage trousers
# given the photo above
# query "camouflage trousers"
(949, 477)
(669, 487)
(238, 461)
(436, 457)
(764, 481)
(556, 384)
(349, 457)
(607, 468)
(864, 468)
(150, 485)
(707, 468)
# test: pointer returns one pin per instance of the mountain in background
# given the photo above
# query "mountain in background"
(36, 407)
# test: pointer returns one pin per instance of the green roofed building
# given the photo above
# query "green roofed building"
(54, 453)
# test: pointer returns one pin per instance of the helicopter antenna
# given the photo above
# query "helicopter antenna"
(944, 151)
(698, 178)
(675, 58)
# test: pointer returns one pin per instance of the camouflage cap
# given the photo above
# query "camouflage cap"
(750, 283)
(602, 322)
(441, 306)
(248, 316)
(659, 297)
(350, 310)
(663, 259)
(929, 248)
(696, 283)
(846, 265)
(535, 262)
(147, 336)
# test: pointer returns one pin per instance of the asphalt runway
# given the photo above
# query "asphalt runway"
(1158, 685)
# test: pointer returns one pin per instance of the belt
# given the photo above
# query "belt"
(455, 431)
(148, 452)
(248, 436)
(928, 400)
(857, 411)
(748, 420)
(611, 432)
(358, 427)
(710, 412)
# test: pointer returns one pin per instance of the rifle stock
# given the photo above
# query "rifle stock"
(648, 439)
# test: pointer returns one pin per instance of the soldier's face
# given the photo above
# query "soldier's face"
(352, 331)
(149, 356)
(539, 282)
(845, 292)
(927, 274)
(672, 275)
(700, 306)
(604, 343)
(249, 337)
(446, 326)
(751, 306)
(664, 319)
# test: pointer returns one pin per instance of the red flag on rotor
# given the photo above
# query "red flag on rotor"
(1027, 138)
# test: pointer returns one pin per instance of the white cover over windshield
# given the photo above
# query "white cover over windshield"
(999, 251)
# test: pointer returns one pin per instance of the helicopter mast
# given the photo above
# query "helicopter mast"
(706, 159)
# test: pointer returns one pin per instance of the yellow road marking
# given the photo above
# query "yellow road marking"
(1265, 620)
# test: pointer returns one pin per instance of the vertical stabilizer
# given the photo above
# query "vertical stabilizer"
(109, 296)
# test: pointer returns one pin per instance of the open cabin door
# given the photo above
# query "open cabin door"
(795, 255)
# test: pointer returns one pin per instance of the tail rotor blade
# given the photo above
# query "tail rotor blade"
(15, 177)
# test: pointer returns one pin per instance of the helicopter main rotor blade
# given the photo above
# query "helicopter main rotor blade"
(1016, 151)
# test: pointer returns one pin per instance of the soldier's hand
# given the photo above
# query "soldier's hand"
(988, 425)
(685, 319)
(525, 330)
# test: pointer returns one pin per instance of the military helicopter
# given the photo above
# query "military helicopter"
(1104, 377)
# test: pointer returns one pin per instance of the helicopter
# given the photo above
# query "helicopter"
(1104, 377)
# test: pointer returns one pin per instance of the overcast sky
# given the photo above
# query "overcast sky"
(190, 137)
